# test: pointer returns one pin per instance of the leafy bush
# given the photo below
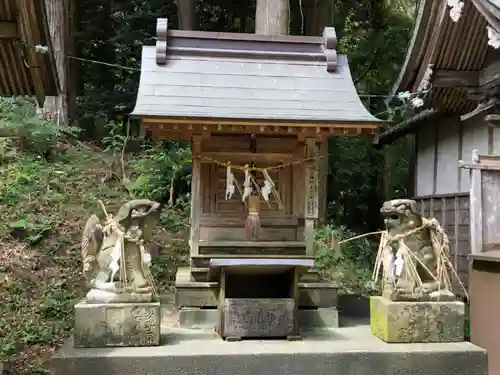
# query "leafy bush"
(157, 169)
(348, 264)
(115, 140)
(45, 203)
(19, 119)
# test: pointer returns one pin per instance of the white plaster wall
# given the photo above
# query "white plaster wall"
(447, 171)
(475, 136)
(424, 181)
(437, 169)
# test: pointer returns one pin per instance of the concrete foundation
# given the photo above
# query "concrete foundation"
(195, 318)
(117, 324)
(341, 351)
(406, 322)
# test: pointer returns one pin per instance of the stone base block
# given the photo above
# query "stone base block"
(196, 318)
(117, 324)
(324, 317)
(259, 317)
(415, 322)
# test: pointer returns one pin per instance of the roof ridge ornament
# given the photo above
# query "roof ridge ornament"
(161, 40)
(329, 46)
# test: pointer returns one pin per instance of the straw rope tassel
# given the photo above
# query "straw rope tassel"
(440, 244)
(252, 223)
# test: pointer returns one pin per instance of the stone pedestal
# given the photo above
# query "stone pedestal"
(117, 324)
(415, 322)
(258, 317)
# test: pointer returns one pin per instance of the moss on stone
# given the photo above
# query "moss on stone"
(405, 322)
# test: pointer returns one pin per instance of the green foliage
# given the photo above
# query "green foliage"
(353, 170)
(45, 203)
(115, 140)
(19, 119)
(157, 167)
(467, 322)
(348, 264)
(46, 200)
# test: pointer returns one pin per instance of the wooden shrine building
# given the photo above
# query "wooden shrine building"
(258, 111)
(455, 57)
(458, 64)
(23, 70)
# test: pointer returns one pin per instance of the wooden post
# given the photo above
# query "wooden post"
(272, 17)
(60, 16)
(195, 195)
(476, 207)
(323, 181)
(319, 14)
(186, 13)
(311, 186)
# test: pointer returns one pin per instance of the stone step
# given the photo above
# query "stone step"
(199, 273)
(203, 260)
(196, 318)
(202, 294)
(312, 275)
(346, 351)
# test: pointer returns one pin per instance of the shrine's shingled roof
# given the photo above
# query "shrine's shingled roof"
(191, 74)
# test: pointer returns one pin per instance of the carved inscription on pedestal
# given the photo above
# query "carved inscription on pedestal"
(117, 324)
(256, 317)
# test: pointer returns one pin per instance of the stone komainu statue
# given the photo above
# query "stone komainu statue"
(414, 254)
(114, 255)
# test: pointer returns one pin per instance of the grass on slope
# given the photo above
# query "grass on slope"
(44, 205)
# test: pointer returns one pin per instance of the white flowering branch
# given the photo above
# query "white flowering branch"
(457, 7)
(456, 10)
(493, 37)
(408, 100)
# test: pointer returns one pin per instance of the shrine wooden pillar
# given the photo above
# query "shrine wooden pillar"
(311, 187)
(323, 169)
(195, 195)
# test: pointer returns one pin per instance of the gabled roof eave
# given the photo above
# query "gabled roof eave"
(416, 49)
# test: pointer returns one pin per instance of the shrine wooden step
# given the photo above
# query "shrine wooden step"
(260, 248)
(200, 294)
(203, 260)
(201, 274)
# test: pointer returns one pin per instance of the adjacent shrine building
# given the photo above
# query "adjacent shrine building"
(458, 62)
(23, 70)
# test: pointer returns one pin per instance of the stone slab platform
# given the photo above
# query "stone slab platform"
(193, 318)
(101, 325)
(341, 351)
(406, 322)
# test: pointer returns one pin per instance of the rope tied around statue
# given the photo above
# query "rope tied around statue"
(118, 254)
(413, 252)
(108, 249)
(404, 262)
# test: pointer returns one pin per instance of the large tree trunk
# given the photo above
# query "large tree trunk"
(319, 14)
(186, 13)
(60, 18)
(272, 17)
